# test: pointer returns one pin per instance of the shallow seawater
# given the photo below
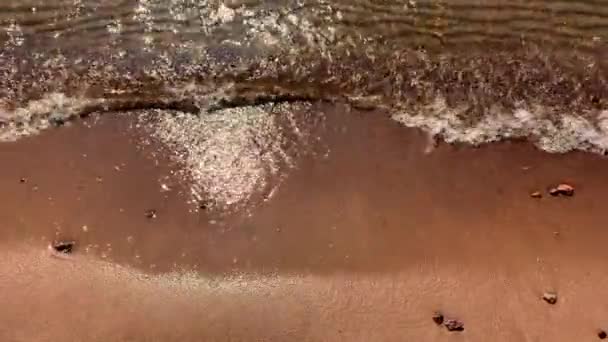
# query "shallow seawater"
(460, 70)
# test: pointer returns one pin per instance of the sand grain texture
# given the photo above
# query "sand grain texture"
(367, 237)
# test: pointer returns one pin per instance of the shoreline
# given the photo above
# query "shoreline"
(365, 237)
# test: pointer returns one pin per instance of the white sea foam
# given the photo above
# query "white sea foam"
(556, 135)
(38, 115)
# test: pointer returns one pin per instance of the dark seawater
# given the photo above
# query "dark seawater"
(462, 70)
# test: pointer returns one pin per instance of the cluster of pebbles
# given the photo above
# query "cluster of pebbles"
(64, 248)
(549, 297)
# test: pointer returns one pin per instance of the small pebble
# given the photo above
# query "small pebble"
(204, 205)
(438, 318)
(22, 180)
(65, 247)
(454, 325)
(562, 190)
(550, 297)
(151, 213)
(85, 228)
(602, 334)
(536, 194)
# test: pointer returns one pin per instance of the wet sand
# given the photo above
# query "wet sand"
(364, 240)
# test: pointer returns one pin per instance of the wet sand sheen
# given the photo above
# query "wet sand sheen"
(85, 299)
(362, 245)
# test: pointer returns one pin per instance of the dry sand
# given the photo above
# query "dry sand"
(365, 238)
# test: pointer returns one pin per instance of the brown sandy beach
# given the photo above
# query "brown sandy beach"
(362, 244)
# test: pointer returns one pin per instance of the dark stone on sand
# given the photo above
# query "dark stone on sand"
(550, 297)
(205, 205)
(438, 318)
(562, 189)
(602, 334)
(453, 325)
(65, 247)
(22, 180)
(151, 213)
(536, 194)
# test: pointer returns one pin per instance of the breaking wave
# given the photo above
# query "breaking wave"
(432, 65)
